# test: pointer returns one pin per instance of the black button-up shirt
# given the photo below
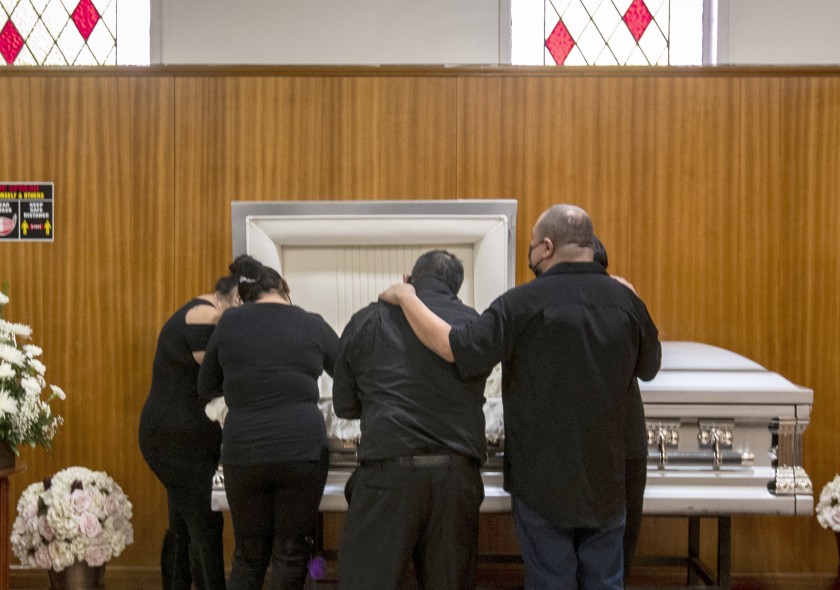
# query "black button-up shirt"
(570, 343)
(410, 401)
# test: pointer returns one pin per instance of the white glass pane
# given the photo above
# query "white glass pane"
(70, 5)
(55, 17)
(8, 5)
(85, 58)
(24, 18)
(70, 42)
(109, 17)
(25, 58)
(576, 18)
(39, 5)
(575, 58)
(622, 5)
(592, 5)
(557, 7)
(133, 46)
(100, 42)
(591, 43)
(111, 60)
(40, 42)
(55, 58)
(622, 43)
(660, 18)
(550, 23)
(607, 18)
(102, 5)
(686, 43)
(637, 58)
(606, 58)
(652, 43)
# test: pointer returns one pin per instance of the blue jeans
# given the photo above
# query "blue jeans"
(568, 558)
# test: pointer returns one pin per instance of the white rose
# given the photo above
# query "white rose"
(30, 510)
(44, 529)
(96, 555)
(43, 558)
(113, 506)
(80, 500)
(89, 524)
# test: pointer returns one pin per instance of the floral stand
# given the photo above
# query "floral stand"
(79, 576)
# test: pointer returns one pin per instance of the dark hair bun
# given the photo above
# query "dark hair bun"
(237, 264)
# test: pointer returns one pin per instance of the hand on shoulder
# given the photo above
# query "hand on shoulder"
(396, 293)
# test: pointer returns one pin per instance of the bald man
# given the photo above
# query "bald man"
(570, 343)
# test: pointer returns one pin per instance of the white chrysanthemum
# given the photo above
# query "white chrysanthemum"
(8, 406)
(12, 355)
(31, 385)
(37, 365)
(16, 329)
(58, 392)
(6, 370)
(31, 350)
(4, 299)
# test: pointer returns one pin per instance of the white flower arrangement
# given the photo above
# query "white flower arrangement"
(828, 507)
(25, 418)
(76, 515)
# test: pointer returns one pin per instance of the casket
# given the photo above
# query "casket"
(724, 433)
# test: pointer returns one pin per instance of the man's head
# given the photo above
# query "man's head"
(440, 265)
(563, 233)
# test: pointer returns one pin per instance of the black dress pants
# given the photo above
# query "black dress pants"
(192, 551)
(274, 508)
(426, 515)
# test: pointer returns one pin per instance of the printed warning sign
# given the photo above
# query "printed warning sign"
(26, 211)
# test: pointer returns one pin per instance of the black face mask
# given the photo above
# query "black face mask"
(534, 269)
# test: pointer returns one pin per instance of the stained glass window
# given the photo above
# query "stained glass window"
(70, 32)
(608, 32)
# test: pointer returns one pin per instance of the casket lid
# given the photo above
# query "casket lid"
(697, 373)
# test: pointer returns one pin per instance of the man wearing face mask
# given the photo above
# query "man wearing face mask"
(570, 343)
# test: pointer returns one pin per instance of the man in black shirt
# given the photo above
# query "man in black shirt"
(570, 343)
(416, 494)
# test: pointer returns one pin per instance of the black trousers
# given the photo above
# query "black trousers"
(425, 515)
(192, 549)
(274, 508)
(635, 479)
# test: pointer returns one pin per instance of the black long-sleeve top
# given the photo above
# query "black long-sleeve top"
(410, 401)
(570, 342)
(265, 358)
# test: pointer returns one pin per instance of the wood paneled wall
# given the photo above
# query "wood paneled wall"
(717, 192)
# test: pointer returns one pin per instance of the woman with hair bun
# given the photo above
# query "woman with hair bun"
(265, 358)
(181, 445)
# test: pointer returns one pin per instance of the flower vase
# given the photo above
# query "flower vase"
(7, 456)
(79, 576)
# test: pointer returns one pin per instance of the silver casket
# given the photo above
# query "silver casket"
(724, 434)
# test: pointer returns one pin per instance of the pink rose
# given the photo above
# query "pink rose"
(42, 557)
(96, 555)
(80, 500)
(30, 510)
(89, 524)
(112, 505)
(44, 529)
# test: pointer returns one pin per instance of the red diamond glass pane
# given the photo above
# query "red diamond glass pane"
(85, 17)
(637, 18)
(10, 42)
(559, 43)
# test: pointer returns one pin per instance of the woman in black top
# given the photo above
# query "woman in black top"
(265, 358)
(181, 444)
